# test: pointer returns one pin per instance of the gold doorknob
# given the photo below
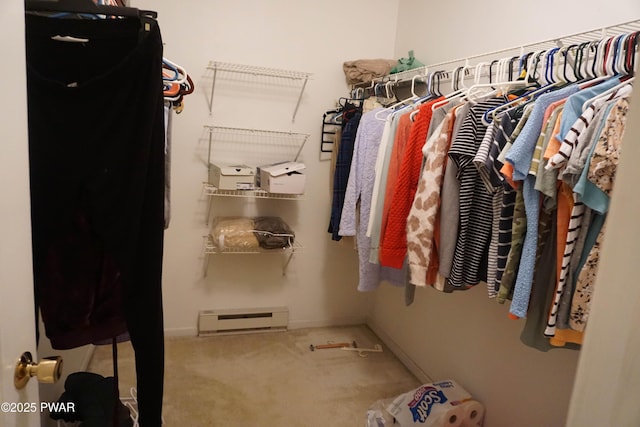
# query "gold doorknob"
(48, 370)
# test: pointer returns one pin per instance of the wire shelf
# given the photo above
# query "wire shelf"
(253, 147)
(210, 190)
(260, 75)
(258, 71)
(558, 42)
(257, 135)
(211, 248)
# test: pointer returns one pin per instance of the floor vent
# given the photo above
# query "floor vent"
(242, 321)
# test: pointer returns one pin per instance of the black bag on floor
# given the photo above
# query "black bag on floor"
(93, 398)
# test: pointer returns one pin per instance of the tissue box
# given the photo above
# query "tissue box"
(283, 178)
(232, 177)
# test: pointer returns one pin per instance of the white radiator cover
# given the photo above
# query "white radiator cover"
(242, 321)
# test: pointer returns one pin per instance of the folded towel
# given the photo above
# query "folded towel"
(365, 70)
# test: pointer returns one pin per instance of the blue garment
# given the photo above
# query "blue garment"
(523, 147)
(573, 106)
(520, 156)
(589, 193)
(341, 174)
(358, 194)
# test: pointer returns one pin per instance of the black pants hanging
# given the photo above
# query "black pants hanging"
(96, 148)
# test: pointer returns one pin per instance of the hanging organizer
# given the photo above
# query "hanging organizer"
(255, 74)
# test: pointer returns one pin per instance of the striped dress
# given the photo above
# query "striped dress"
(476, 204)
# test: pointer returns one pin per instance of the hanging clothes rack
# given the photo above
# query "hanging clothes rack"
(545, 45)
(606, 54)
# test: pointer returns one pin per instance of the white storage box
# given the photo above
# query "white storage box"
(283, 178)
(232, 177)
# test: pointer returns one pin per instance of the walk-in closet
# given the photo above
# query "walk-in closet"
(203, 203)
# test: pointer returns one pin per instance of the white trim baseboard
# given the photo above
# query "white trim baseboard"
(398, 352)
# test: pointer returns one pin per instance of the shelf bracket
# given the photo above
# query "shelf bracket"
(213, 86)
(295, 110)
(286, 263)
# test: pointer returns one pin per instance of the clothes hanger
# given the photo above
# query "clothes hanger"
(403, 102)
(180, 72)
(608, 66)
(566, 56)
(525, 98)
(621, 63)
(456, 82)
(550, 74)
(611, 92)
(86, 7)
(631, 52)
(502, 82)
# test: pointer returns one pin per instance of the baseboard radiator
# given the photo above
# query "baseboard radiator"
(242, 321)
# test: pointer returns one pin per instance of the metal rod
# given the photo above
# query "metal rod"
(624, 27)
(295, 110)
(300, 149)
(213, 86)
(286, 264)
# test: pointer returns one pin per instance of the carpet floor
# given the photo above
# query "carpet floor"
(268, 379)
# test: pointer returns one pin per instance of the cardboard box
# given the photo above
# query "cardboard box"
(282, 178)
(232, 177)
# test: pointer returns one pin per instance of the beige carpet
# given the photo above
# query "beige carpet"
(269, 379)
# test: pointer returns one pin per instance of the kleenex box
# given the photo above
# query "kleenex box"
(232, 177)
(283, 178)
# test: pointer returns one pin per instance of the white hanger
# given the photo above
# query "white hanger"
(495, 112)
(502, 83)
(607, 93)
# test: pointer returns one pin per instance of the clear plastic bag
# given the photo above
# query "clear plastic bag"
(378, 416)
(234, 233)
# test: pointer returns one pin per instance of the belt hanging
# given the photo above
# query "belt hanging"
(116, 393)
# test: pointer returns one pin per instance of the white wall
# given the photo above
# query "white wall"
(442, 31)
(465, 336)
(316, 37)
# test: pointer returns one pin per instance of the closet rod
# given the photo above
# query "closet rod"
(590, 35)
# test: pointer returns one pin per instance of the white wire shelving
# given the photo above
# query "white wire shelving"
(258, 74)
(253, 146)
(471, 61)
(211, 248)
(210, 190)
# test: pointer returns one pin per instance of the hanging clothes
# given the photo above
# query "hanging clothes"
(421, 222)
(393, 243)
(359, 191)
(503, 189)
(351, 119)
(520, 156)
(469, 260)
(387, 166)
(96, 154)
